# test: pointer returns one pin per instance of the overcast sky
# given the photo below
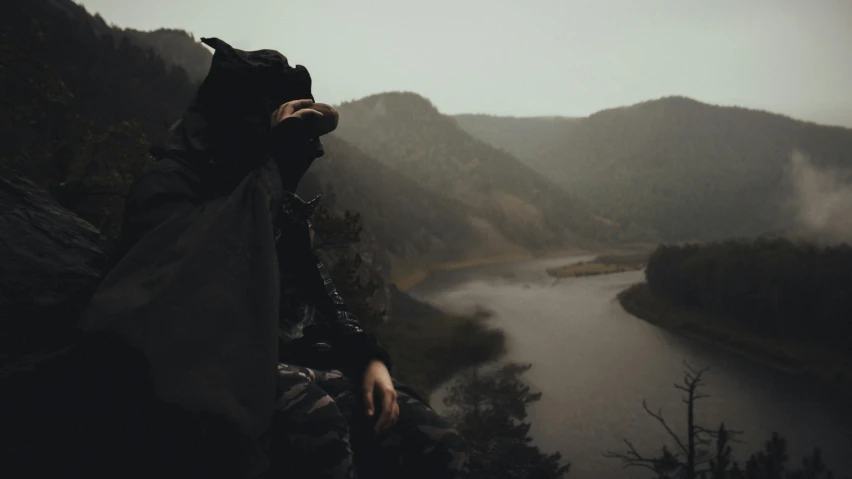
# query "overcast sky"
(542, 57)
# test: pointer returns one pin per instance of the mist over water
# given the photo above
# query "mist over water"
(595, 363)
(822, 200)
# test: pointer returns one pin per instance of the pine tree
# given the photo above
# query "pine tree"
(490, 411)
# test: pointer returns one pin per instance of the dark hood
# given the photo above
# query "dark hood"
(226, 128)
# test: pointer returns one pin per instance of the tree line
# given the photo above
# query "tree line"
(771, 286)
(81, 106)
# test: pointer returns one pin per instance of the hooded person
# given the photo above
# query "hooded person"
(215, 285)
(195, 288)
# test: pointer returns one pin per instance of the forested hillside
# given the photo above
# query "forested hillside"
(689, 170)
(177, 47)
(411, 223)
(80, 66)
(80, 105)
(407, 133)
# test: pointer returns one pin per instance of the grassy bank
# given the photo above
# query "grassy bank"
(591, 268)
(428, 351)
(604, 264)
(406, 276)
(830, 367)
(410, 278)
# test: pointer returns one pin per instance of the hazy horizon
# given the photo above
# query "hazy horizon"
(545, 58)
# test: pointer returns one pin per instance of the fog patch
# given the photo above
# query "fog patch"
(822, 200)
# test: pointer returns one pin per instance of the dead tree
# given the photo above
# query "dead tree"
(691, 457)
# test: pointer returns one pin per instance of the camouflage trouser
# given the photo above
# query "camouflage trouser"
(320, 432)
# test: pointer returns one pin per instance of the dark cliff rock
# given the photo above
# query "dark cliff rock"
(52, 261)
(80, 405)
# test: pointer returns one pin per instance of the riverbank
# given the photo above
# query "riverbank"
(614, 262)
(427, 351)
(407, 276)
(591, 268)
(813, 361)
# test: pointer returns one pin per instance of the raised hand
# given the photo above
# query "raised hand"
(320, 118)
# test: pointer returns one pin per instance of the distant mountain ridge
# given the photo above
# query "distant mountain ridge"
(406, 132)
(412, 224)
(689, 170)
(177, 47)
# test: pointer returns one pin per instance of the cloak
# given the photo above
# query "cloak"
(194, 289)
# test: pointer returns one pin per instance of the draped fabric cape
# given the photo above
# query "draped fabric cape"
(196, 292)
(198, 296)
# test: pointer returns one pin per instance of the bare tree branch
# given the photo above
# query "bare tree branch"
(632, 458)
(659, 417)
(693, 450)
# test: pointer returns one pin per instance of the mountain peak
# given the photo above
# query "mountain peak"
(673, 103)
(676, 100)
(393, 102)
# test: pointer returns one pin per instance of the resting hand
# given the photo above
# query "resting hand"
(379, 391)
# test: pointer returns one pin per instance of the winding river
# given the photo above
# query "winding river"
(595, 363)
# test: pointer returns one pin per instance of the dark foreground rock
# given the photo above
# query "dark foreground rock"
(52, 261)
(74, 405)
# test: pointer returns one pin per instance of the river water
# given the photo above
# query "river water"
(595, 363)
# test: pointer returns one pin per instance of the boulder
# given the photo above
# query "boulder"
(80, 405)
(51, 263)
